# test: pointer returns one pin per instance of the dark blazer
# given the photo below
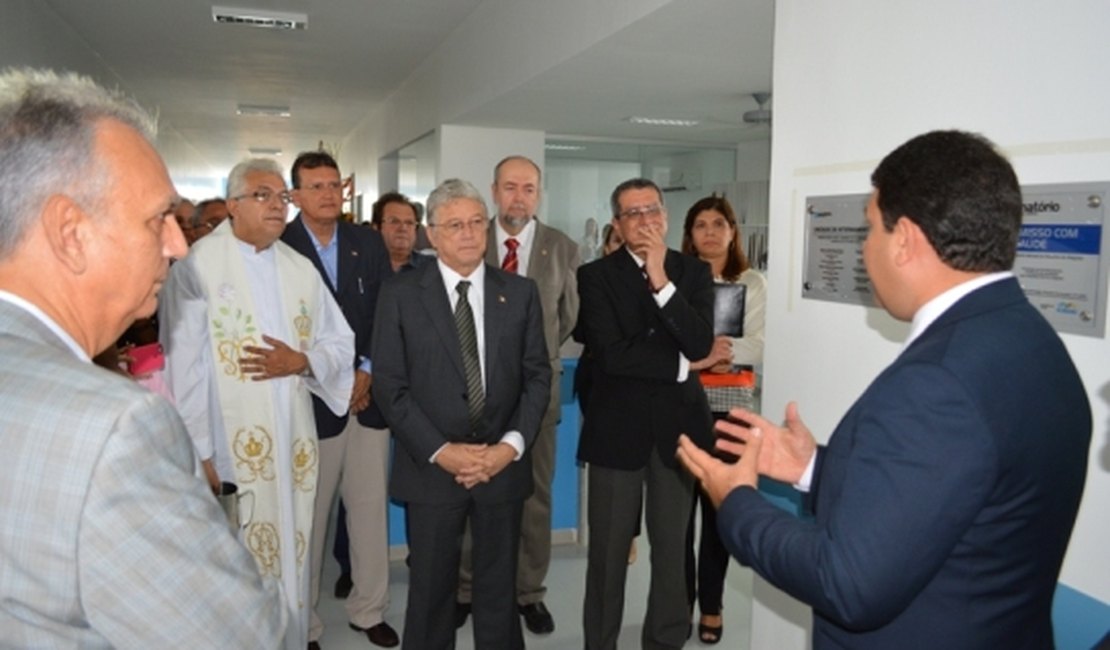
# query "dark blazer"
(361, 265)
(636, 401)
(420, 384)
(946, 496)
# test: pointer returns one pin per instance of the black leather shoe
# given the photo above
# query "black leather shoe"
(462, 611)
(381, 635)
(343, 586)
(537, 619)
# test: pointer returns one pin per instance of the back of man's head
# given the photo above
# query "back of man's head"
(47, 133)
(960, 191)
(310, 160)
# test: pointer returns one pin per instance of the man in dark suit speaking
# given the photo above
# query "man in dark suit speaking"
(462, 376)
(945, 498)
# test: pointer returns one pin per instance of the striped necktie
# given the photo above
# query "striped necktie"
(511, 263)
(468, 342)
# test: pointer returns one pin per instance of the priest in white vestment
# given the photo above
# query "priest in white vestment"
(249, 330)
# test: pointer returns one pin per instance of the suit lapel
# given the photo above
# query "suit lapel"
(296, 235)
(496, 303)
(635, 286)
(346, 268)
(539, 257)
(434, 298)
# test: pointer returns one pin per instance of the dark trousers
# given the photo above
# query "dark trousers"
(614, 503)
(705, 577)
(435, 544)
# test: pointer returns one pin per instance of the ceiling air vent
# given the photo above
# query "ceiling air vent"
(281, 20)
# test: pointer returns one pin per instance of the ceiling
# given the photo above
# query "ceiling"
(697, 59)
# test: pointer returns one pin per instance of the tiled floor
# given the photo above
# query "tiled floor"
(565, 584)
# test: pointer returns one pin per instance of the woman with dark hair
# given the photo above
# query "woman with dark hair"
(711, 233)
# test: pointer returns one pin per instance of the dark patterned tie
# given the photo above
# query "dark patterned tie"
(468, 342)
(511, 263)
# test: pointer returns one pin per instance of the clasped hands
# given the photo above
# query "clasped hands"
(279, 360)
(778, 452)
(472, 464)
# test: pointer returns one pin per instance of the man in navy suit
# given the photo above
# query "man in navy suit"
(354, 447)
(945, 498)
(462, 374)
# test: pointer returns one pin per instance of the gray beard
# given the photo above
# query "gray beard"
(517, 223)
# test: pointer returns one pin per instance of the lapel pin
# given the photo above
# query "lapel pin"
(500, 298)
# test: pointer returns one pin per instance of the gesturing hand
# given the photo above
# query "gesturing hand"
(717, 477)
(787, 450)
(279, 360)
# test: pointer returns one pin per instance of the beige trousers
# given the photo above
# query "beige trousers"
(356, 464)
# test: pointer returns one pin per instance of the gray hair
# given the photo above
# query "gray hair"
(237, 179)
(47, 133)
(451, 190)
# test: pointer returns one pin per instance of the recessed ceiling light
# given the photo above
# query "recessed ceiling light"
(262, 110)
(263, 151)
(661, 121)
(564, 147)
(280, 20)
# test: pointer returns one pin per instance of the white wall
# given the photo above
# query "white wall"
(31, 34)
(470, 67)
(854, 79)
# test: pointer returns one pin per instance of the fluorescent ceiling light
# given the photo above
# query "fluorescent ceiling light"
(280, 20)
(564, 147)
(261, 110)
(661, 121)
(263, 151)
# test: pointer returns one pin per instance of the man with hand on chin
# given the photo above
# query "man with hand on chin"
(646, 314)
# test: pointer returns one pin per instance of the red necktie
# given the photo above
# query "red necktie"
(510, 263)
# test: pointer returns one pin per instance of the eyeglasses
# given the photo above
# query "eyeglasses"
(265, 196)
(399, 223)
(330, 186)
(643, 212)
(455, 228)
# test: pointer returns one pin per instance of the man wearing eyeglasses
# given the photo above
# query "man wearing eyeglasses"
(520, 243)
(394, 216)
(250, 333)
(354, 446)
(462, 375)
(647, 314)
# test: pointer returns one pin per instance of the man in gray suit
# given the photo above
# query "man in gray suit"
(464, 394)
(519, 243)
(108, 536)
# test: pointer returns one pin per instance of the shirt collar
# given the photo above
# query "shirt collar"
(316, 242)
(932, 310)
(452, 277)
(41, 316)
